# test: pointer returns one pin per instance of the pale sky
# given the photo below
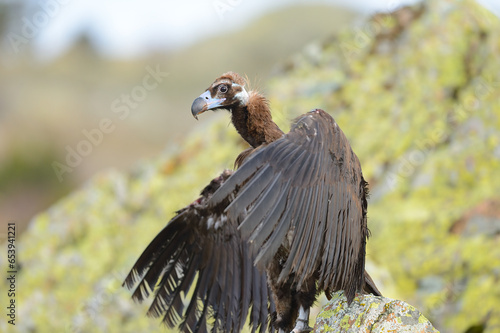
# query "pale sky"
(127, 28)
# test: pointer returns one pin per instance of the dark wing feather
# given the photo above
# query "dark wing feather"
(200, 252)
(307, 183)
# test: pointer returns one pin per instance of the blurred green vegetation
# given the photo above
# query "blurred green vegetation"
(416, 92)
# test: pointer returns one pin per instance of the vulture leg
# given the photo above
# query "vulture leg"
(283, 295)
(292, 303)
(302, 323)
(305, 298)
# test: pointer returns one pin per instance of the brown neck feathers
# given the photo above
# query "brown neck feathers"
(254, 122)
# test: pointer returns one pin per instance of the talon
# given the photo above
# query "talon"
(302, 323)
(302, 330)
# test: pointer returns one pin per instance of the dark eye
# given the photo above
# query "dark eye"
(223, 88)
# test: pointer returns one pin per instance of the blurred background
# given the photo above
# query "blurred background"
(64, 63)
(87, 86)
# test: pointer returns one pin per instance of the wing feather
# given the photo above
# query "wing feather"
(200, 253)
(305, 236)
(249, 193)
(297, 208)
(298, 231)
(265, 202)
(267, 223)
(305, 184)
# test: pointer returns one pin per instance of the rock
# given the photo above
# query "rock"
(369, 313)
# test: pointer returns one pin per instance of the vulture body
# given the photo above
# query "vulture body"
(261, 242)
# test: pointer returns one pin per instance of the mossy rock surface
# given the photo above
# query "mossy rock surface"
(368, 313)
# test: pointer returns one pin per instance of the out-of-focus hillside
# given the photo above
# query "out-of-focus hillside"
(44, 107)
(417, 94)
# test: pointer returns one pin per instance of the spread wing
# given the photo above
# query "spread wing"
(202, 273)
(306, 192)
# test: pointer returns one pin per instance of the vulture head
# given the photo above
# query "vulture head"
(227, 92)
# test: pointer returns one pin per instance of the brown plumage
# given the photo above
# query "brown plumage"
(263, 241)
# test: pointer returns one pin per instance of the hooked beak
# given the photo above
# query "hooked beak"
(205, 102)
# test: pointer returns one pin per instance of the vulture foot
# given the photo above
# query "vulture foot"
(302, 323)
(301, 327)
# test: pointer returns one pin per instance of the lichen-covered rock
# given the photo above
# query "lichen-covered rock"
(368, 313)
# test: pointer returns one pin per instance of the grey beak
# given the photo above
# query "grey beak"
(205, 102)
(197, 107)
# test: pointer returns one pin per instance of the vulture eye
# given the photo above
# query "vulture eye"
(223, 88)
